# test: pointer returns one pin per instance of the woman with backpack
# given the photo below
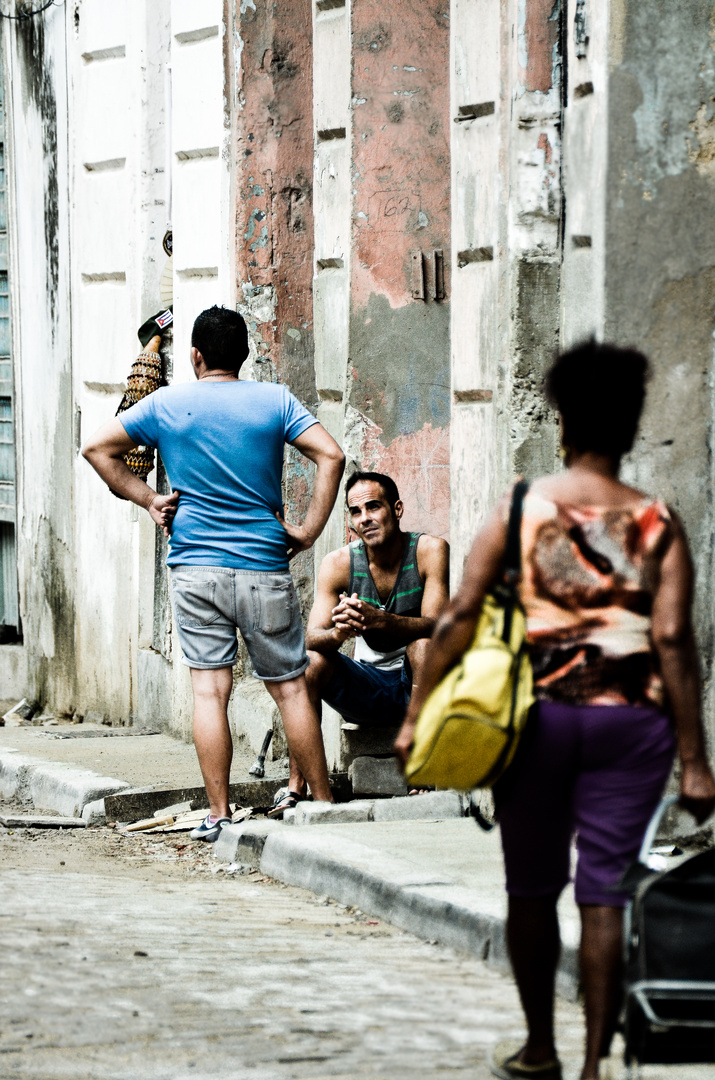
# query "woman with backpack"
(606, 588)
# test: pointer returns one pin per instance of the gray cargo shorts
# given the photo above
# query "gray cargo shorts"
(211, 602)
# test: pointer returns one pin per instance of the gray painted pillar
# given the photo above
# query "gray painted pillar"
(639, 253)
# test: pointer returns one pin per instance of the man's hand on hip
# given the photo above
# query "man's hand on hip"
(298, 539)
(162, 509)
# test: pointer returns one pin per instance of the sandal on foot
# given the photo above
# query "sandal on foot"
(284, 800)
(506, 1065)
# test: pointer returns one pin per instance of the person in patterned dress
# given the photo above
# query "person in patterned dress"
(606, 588)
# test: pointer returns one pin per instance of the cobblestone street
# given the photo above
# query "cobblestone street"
(130, 959)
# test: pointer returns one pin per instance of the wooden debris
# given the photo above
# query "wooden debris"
(181, 822)
(148, 823)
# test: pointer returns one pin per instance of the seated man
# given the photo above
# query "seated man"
(386, 590)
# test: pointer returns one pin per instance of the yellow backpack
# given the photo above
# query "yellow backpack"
(469, 726)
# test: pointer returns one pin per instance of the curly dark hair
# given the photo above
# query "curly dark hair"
(599, 391)
(221, 337)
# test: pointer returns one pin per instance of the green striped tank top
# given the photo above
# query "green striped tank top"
(376, 647)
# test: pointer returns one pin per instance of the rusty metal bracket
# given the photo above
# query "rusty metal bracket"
(473, 112)
(418, 275)
(439, 289)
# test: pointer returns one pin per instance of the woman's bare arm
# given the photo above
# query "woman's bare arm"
(674, 643)
(454, 629)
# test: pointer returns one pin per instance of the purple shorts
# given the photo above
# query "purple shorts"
(596, 771)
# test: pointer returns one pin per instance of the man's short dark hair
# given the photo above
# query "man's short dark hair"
(387, 484)
(599, 391)
(220, 335)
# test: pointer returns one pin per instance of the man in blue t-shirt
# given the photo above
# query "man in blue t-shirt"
(221, 441)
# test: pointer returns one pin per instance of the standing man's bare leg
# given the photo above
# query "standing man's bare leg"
(212, 736)
(305, 739)
(317, 676)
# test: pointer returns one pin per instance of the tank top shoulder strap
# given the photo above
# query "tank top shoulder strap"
(360, 577)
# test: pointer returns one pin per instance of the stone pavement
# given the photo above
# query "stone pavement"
(441, 880)
(124, 960)
(107, 976)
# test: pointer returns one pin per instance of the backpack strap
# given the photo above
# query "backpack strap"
(512, 556)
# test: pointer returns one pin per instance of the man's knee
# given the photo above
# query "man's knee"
(319, 671)
(212, 683)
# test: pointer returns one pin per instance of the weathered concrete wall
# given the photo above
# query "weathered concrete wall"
(303, 158)
(506, 206)
(399, 382)
(535, 208)
(660, 253)
(34, 52)
(272, 154)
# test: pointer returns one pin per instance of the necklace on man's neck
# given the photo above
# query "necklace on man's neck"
(219, 375)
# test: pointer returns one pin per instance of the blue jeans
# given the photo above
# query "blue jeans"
(368, 695)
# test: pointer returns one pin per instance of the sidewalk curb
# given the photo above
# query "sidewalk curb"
(436, 910)
(49, 785)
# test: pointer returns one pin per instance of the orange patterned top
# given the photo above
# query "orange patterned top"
(588, 578)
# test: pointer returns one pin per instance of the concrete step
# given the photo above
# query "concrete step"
(50, 785)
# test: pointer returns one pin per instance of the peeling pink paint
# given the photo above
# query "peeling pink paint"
(541, 32)
(419, 465)
(273, 187)
(401, 172)
(545, 145)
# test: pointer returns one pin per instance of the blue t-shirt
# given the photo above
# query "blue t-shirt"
(222, 446)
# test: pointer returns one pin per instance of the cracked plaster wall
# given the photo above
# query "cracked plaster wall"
(34, 60)
(398, 382)
(660, 254)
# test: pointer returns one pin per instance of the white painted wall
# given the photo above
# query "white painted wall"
(585, 162)
(104, 166)
(200, 170)
(129, 166)
(479, 187)
(332, 201)
(34, 65)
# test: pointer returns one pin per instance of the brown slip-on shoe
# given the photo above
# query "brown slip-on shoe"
(506, 1065)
